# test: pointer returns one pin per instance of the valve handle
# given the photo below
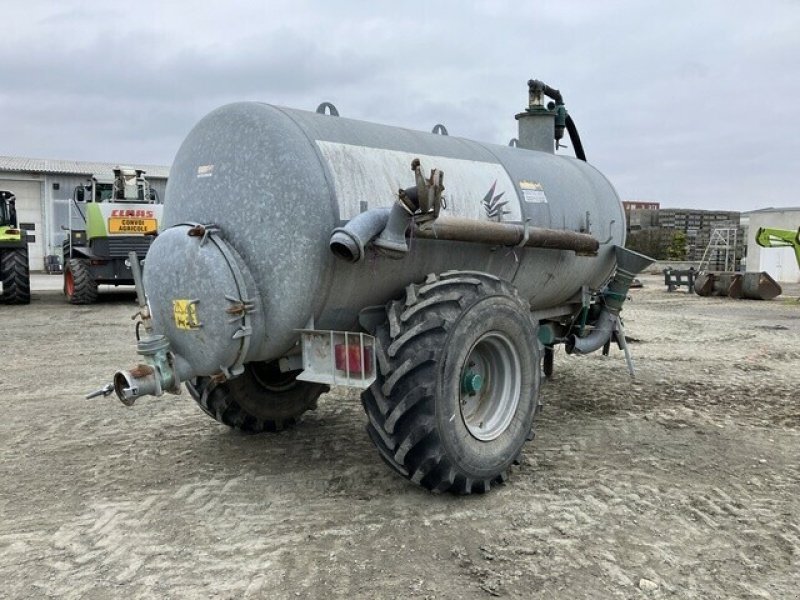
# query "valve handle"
(104, 391)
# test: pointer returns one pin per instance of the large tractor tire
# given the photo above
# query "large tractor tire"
(260, 399)
(458, 381)
(16, 277)
(79, 286)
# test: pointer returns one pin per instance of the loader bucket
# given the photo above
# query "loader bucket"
(751, 285)
(760, 286)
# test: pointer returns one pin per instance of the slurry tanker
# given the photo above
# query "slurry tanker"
(302, 250)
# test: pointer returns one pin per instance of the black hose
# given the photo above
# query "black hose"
(555, 94)
(575, 138)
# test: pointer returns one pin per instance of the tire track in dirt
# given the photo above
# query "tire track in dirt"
(686, 477)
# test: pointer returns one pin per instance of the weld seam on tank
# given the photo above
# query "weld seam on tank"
(326, 276)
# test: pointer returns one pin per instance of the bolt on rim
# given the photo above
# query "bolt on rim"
(491, 382)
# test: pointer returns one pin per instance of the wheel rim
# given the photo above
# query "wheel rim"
(69, 283)
(490, 387)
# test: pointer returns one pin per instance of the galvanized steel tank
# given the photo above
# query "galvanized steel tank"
(277, 181)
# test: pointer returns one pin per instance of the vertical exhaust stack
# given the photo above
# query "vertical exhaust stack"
(629, 264)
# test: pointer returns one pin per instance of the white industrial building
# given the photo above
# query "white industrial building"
(44, 188)
(780, 263)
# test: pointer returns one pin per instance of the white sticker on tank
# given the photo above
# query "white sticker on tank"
(473, 189)
(532, 191)
(205, 171)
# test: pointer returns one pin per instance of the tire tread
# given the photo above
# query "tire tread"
(401, 420)
(218, 401)
(15, 274)
(85, 287)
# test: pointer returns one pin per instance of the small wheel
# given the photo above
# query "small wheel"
(15, 274)
(79, 286)
(458, 381)
(261, 399)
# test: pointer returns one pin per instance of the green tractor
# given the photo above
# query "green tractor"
(115, 217)
(15, 278)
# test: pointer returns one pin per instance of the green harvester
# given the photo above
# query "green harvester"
(114, 218)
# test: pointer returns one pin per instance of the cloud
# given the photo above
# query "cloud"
(686, 103)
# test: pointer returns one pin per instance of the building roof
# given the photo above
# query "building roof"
(776, 209)
(74, 167)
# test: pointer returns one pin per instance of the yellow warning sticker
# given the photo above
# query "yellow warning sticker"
(131, 225)
(185, 314)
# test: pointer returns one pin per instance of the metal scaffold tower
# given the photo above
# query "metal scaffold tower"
(721, 250)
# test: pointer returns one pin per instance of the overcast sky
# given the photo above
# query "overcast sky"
(688, 103)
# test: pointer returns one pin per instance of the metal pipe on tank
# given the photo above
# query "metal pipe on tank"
(459, 229)
(349, 242)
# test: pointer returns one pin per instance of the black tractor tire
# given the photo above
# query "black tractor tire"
(417, 405)
(79, 285)
(260, 399)
(16, 276)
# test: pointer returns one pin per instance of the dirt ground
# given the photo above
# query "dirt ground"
(683, 483)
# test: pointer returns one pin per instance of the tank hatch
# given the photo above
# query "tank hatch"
(202, 298)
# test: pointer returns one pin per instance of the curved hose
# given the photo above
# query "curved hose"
(555, 94)
(575, 138)
(629, 263)
(602, 332)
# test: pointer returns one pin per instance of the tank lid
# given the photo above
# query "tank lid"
(201, 297)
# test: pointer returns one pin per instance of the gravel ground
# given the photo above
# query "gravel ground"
(684, 482)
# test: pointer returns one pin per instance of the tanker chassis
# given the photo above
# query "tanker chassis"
(303, 250)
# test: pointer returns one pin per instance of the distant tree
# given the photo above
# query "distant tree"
(677, 247)
(652, 242)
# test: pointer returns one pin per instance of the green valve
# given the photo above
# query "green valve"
(471, 384)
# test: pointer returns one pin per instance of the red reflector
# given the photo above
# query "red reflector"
(349, 358)
(13, 231)
(98, 262)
